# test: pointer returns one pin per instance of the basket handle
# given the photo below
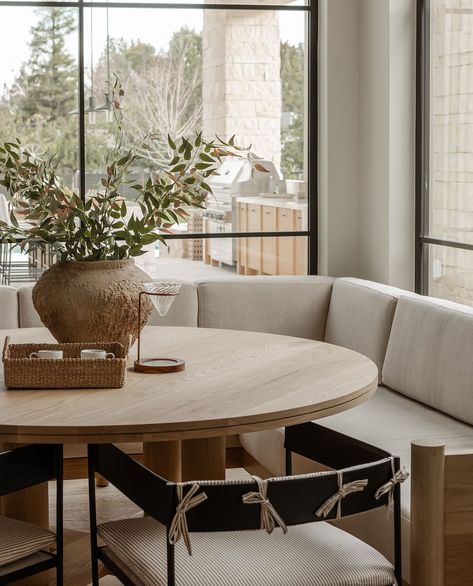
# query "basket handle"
(5, 347)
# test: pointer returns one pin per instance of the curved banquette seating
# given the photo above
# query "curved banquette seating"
(423, 348)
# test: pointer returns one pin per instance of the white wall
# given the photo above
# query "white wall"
(339, 162)
(402, 143)
(374, 140)
(367, 106)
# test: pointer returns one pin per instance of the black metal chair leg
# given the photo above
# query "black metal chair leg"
(288, 463)
(171, 569)
(93, 519)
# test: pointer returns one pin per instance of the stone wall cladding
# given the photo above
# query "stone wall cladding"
(241, 79)
(452, 146)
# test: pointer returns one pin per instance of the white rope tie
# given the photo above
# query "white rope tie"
(343, 491)
(388, 488)
(178, 526)
(269, 516)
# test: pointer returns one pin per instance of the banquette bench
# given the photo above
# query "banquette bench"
(422, 411)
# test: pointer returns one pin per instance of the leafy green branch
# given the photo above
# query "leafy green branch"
(101, 227)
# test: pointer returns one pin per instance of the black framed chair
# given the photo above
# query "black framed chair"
(25, 549)
(268, 532)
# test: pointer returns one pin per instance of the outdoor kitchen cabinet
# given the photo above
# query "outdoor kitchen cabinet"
(271, 255)
(300, 246)
(241, 243)
(253, 249)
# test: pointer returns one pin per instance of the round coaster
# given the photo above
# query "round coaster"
(159, 365)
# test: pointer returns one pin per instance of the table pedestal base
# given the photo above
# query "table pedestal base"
(164, 458)
(203, 459)
(196, 459)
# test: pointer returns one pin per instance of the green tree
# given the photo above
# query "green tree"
(37, 107)
(186, 45)
(125, 60)
(49, 79)
(292, 136)
(120, 58)
(163, 91)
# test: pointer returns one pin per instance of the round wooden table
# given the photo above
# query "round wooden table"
(233, 382)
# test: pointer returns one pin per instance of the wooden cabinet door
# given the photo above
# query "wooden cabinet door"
(285, 245)
(241, 245)
(268, 245)
(253, 249)
(300, 248)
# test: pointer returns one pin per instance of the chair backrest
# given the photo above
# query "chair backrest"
(153, 494)
(24, 467)
(297, 499)
(30, 465)
(199, 506)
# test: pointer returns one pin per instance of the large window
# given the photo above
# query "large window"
(445, 149)
(245, 68)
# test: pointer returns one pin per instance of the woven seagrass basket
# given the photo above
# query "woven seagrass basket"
(70, 372)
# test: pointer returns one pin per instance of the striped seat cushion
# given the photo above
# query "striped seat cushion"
(19, 539)
(313, 554)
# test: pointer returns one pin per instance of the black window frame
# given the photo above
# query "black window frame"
(310, 7)
(422, 190)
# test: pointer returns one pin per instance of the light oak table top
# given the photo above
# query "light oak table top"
(234, 381)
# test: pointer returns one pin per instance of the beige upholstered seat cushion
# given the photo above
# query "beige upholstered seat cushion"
(360, 317)
(26, 562)
(294, 306)
(19, 539)
(391, 421)
(316, 553)
(8, 307)
(387, 420)
(183, 311)
(430, 355)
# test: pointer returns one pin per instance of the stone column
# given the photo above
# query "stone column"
(241, 79)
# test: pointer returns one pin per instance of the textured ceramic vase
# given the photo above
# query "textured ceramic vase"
(92, 301)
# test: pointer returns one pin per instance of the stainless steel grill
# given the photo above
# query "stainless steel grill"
(235, 177)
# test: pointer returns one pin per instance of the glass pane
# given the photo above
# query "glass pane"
(451, 273)
(214, 257)
(39, 83)
(191, 259)
(451, 205)
(265, 4)
(224, 73)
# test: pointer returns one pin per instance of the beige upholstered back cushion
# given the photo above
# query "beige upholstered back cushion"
(360, 317)
(295, 306)
(183, 311)
(430, 355)
(29, 317)
(8, 307)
